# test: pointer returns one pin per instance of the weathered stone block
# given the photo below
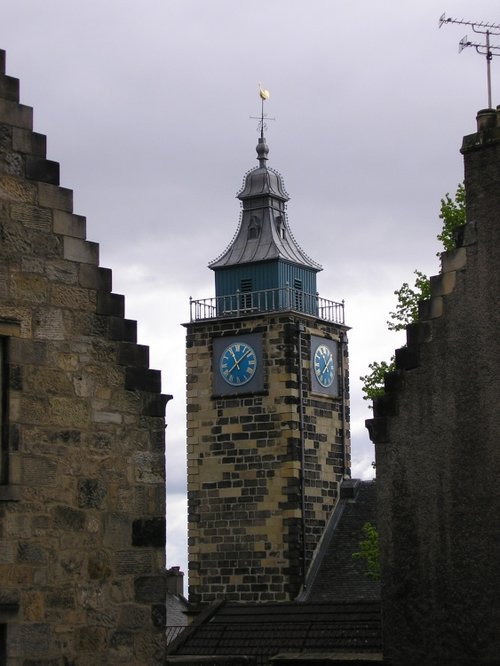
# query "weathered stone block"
(99, 566)
(13, 189)
(11, 163)
(150, 589)
(26, 141)
(41, 169)
(67, 518)
(9, 88)
(37, 471)
(453, 260)
(92, 639)
(9, 599)
(60, 599)
(111, 304)
(68, 412)
(76, 249)
(33, 607)
(121, 645)
(134, 616)
(16, 114)
(91, 493)
(116, 531)
(159, 616)
(29, 639)
(32, 217)
(66, 296)
(150, 532)
(31, 553)
(52, 196)
(132, 562)
(133, 355)
(142, 379)
(62, 271)
(95, 277)
(30, 289)
(122, 329)
(69, 224)
(149, 468)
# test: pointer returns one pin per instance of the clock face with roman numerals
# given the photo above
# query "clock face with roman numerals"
(238, 363)
(324, 369)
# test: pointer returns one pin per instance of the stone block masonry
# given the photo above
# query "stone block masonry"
(82, 497)
(264, 468)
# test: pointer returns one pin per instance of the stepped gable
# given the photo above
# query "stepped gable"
(335, 575)
(82, 466)
(436, 439)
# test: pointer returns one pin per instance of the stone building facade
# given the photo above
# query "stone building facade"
(82, 506)
(436, 431)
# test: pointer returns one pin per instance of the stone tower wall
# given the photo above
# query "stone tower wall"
(246, 530)
(437, 448)
(82, 505)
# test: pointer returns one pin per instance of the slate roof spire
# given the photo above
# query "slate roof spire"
(263, 233)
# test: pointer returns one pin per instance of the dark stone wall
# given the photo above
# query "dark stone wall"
(437, 449)
(82, 497)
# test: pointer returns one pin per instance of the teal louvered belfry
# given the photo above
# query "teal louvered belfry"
(264, 268)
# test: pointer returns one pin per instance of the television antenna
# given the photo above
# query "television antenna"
(486, 49)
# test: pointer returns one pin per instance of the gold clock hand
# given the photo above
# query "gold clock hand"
(327, 366)
(237, 362)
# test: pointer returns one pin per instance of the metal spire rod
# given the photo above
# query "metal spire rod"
(264, 95)
(482, 28)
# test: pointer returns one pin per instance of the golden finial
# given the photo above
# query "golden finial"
(263, 93)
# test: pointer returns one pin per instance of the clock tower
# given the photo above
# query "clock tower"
(267, 408)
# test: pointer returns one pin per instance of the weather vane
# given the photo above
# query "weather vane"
(264, 95)
(486, 49)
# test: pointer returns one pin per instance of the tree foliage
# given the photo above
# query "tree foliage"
(369, 551)
(452, 212)
(406, 311)
(373, 382)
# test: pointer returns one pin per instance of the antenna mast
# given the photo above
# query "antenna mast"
(486, 49)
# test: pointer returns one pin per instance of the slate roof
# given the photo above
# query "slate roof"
(177, 608)
(338, 613)
(263, 197)
(336, 575)
(260, 631)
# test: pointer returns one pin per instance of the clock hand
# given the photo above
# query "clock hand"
(237, 362)
(327, 366)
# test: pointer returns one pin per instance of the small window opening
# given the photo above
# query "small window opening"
(298, 294)
(254, 228)
(280, 227)
(246, 287)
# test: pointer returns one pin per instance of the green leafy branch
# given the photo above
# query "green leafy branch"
(373, 382)
(452, 214)
(369, 551)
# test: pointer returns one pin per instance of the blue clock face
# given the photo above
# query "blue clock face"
(323, 366)
(238, 363)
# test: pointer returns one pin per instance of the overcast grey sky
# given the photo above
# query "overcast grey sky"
(146, 105)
